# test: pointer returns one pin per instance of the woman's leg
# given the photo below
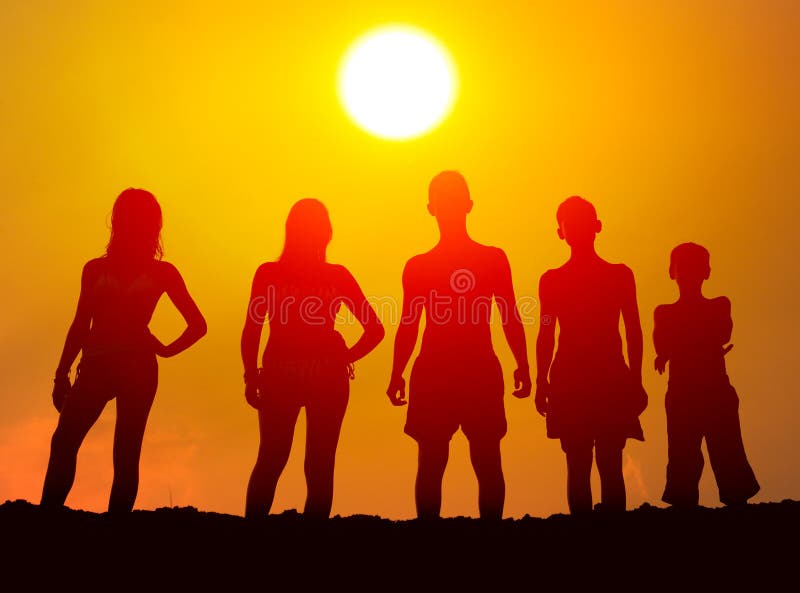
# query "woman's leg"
(608, 452)
(276, 421)
(579, 471)
(82, 408)
(137, 389)
(323, 426)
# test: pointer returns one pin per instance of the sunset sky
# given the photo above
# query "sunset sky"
(678, 119)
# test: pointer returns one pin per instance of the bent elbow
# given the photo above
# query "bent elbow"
(201, 327)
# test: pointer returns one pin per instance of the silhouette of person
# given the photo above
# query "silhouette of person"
(119, 293)
(691, 335)
(456, 381)
(590, 397)
(306, 362)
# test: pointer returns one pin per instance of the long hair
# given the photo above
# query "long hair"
(135, 227)
(308, 232)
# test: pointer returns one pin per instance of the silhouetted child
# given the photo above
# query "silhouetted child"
(590, 397)
(119, 292)
(306, 363)
(691, 334)
(456, 381)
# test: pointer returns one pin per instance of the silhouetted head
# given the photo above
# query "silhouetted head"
(135, 227)
(308, 232)
(689, 264)
(577, 221)
(448, 196)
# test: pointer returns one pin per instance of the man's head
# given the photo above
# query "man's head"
(448, 196)
(577, 221)
(689, 263)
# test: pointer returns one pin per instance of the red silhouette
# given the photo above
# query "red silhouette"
(691, 335)
(456, 381)
(119, 292)
(590, 396)
(306, 362)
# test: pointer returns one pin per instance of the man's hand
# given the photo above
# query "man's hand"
(61, 389)
(542, 398)
(522, 383)
(397, 391)
(660, 364)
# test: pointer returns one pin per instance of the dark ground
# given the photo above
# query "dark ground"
(181, 549)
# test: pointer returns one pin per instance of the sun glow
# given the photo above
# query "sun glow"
(397, 82)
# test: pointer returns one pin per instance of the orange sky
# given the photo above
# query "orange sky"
(678, 119)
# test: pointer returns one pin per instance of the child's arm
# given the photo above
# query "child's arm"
(545, 343)
(726, 323)
(633, 326)
(660, 339)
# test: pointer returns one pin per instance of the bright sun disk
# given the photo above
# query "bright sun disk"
(397, 82)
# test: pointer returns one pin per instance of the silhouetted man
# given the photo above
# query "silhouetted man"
(456, 380)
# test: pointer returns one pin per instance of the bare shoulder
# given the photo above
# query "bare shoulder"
(341, 274)
(94, 266)
(168, 273)
(663, 311)
(550, 278)
(265, 271)
(721, 303)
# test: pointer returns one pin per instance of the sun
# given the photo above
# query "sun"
(397, 82)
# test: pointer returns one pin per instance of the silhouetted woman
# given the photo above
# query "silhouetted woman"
(119, 292)
(306, 362)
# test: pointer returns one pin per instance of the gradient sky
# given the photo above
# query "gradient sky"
(678, 119)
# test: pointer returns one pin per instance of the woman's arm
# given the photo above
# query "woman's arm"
(360, 307)
(76, 337)
(251, 336)
(195, 322)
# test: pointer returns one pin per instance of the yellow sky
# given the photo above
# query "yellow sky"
(678, 119)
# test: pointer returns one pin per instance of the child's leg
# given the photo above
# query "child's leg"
(735, 477)
(609, 466)
(685, 457)
(579, 471)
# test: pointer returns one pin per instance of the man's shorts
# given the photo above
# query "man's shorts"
(444, 396)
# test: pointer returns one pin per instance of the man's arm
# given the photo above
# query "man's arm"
(545, 342)
(512, 326)
(406, 337)
(633, 326)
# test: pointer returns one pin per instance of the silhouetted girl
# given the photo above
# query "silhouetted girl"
(306, 362)
(119, 292)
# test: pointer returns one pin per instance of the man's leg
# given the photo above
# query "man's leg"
(485, 456)
(433, 455)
